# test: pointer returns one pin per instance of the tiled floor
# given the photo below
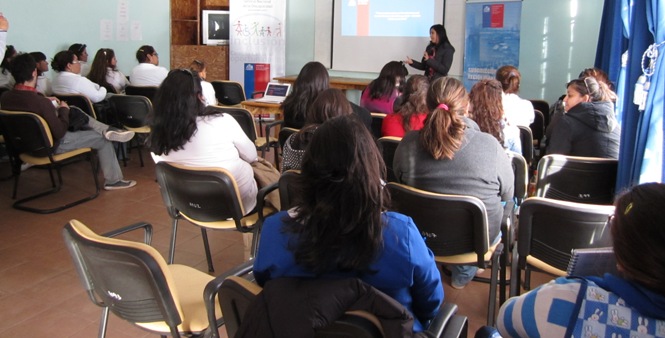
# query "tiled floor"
(40, 295)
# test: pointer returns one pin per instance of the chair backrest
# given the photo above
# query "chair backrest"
(147, 91)
(80, 101)
(200, 194)
(550, 229)
(130, 278)
(537, 127)
(244, 118)
(451, 224)
(377, 122)
(526, 139)
(26, 133)
(544, 108)
(229, 93)
(284, 134)
(388, 146)
(288, 196)
(520, 171)
(131, 110)
(577, 179)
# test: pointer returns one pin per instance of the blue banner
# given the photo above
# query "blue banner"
(492, 39)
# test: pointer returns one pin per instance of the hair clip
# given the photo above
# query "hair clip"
(629, 207)
(442, 106)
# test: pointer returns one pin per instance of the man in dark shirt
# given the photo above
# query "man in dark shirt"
(24, 97)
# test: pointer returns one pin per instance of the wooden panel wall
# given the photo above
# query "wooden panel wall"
(216, 59)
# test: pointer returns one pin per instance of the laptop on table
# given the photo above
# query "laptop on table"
(275, 92)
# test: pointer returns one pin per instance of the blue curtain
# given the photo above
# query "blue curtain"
(611, 41)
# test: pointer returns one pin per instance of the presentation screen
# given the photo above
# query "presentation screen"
(369, 33)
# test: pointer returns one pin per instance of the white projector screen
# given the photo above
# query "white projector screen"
(367, 34)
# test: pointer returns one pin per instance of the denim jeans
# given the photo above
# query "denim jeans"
(461, 275)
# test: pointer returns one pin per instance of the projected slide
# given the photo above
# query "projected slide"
(387, 17)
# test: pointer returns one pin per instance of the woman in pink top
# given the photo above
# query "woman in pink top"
(380, 94)
(411, 114)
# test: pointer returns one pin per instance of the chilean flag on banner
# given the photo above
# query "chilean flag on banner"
(493, 16)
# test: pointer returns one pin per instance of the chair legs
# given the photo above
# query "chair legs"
(491, 308)
(104, 322)
(206, 245)
(174, 234)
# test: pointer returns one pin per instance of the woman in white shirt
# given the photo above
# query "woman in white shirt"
(81, 51)
(68, 79)
(517, 110)
(199, 67)
(147, 72)
(182, 131)
(105, 73)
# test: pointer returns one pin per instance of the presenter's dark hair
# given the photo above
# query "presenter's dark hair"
(312, 79)
(441, 33)
(638, 235)
(413, 99)
(339, 223)
(177, 104)
(143, 52)
(23, 65)
(99, 66)
(442, 134)
(61, 60)
(392, 75)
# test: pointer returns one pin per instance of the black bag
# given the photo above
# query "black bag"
(78, 120)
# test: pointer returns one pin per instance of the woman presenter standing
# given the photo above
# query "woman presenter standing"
(438, 55)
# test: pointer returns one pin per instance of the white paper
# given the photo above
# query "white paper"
(122, 31)
(105, 30)
(136, 31)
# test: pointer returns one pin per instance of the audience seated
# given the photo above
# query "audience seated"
(631, 304)
(147, 72)
(328, 104)
(199, 67)
(487, 111)
(182, 131)
(81, 52)
(448, 157)
(589, 127)
(6, 79)
(312, 79)
(68, 79)
(518, 111)
(340, 227)
(94, 134)
(380, 95)
(105, 73)
(43, 82)
(411, 112)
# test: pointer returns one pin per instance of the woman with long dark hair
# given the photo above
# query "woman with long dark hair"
(448, 157)
(182, 131)
(104, 72)
(487, 111)
(312, 79)
(340, 226)
(380, 95)
(438, 55)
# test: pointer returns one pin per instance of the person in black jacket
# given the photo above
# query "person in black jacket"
(589, 127)
(438, 55)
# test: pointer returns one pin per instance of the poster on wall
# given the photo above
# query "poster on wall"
(492, 38)
(257, 36)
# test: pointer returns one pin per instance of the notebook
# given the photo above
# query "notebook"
(275, 92)
(592, 262)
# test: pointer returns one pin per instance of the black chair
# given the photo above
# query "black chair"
(544, 108)
(80, 101)
(288, 196)
(229, 93)
(537, 129)
(388, 146)
(237, 295)
(456, 229)
(133, 281)
(521, 173)
(377, 122)
(29, 139)
(132, 111)
(208, 198)
(577, 179)
(147, 91)
(549, 230)
(526, 139)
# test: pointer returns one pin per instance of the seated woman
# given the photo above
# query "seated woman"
(81, 51)
(43, 81)
(629, 305)
(199, 67)
(411, 113)
(6, 78)
(380, 94)
(330, 103)
(147, 72)
(68, 79)
(182, 131)
(341, 228)
(487, 111)
(105, 73)
(589, 127)
(448, 157)
(518, 111)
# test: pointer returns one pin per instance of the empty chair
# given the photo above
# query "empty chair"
(133, 281)
(577, 179)
(462, 239)
(544, 108)
(388, 145)
(208, 198)
(549, 230)
(229, 93)
(147, 91)
(377, 122)
(537, 129)
(29, 139)
(131, 111)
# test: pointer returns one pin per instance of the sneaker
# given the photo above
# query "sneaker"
(26, 166)
(457, 286)
(122, 184)
(118, 135)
